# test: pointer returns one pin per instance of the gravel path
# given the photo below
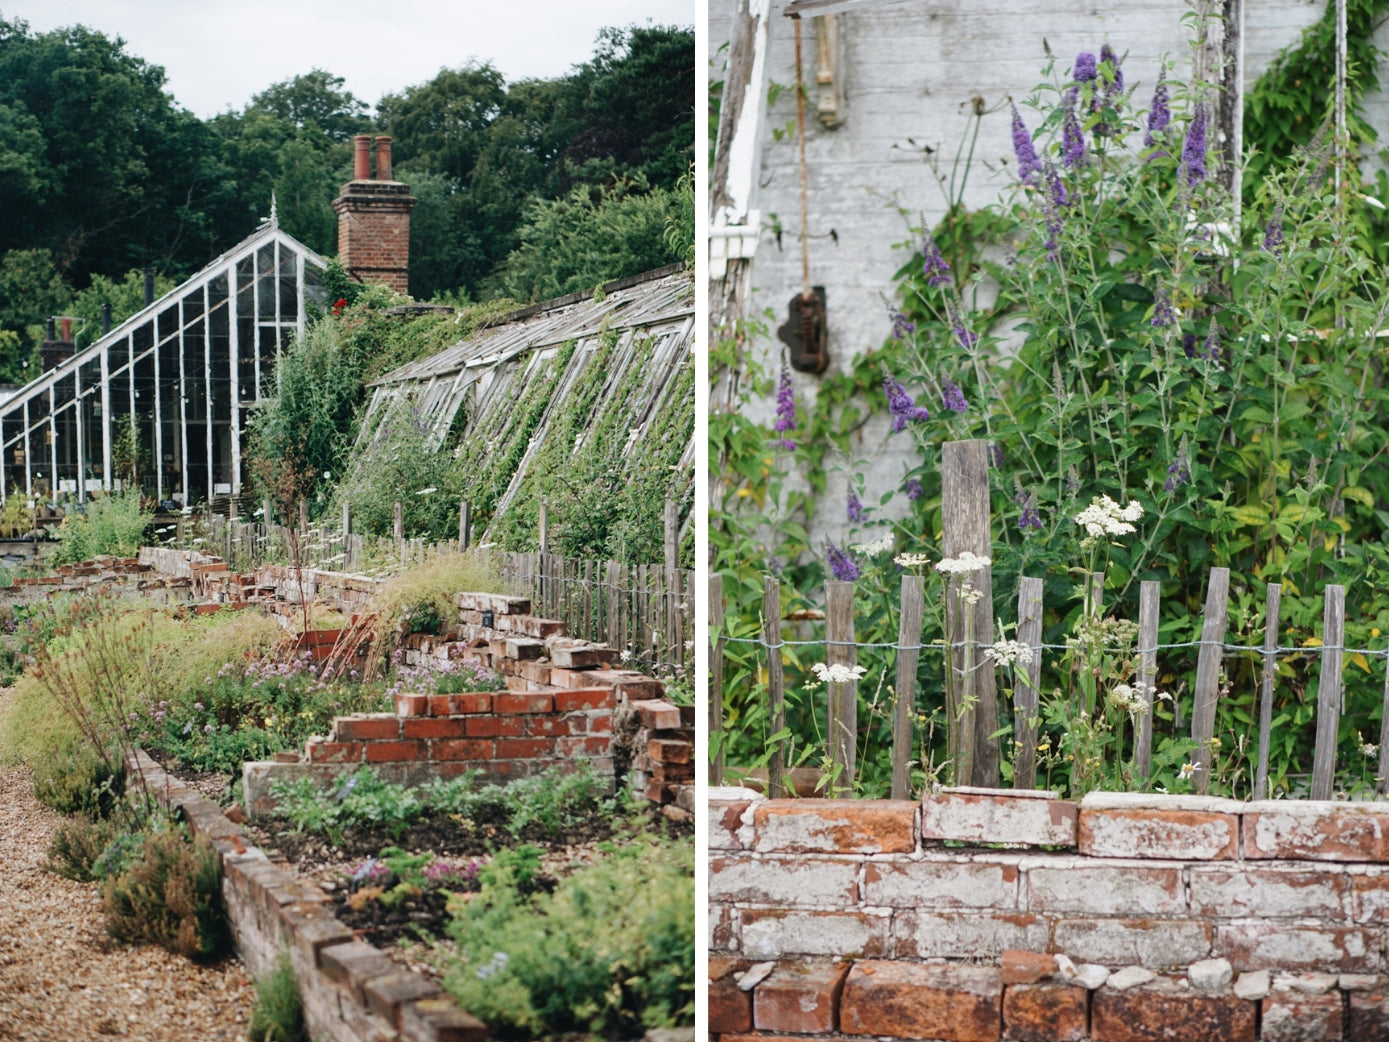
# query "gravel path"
(62, 978)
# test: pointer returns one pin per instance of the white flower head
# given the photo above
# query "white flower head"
(873, 549)
(1105, 517)
(1007, 652)
(426, 491)
(912, 560)
(966, 564)
(837, 673)
(1188, 770)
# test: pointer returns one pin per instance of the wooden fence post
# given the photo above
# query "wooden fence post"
(1329, 692)
(303, 515)
(1208, 674)
(399, 530)
(716, 679)
(771, 626)
(464, 523)
(908, 638)
(544, 527)
(842, 715)
(965, 517)
(1025, 693)
(672, 579)
(1149, 596)
(1273, 599)
(266, 512)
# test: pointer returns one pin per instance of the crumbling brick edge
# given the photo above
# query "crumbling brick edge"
(351, 991)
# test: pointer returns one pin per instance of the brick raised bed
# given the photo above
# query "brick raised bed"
(893, 919)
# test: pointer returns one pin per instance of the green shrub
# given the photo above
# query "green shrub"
(75, 780)
(279, 1012)
(170, 895)
(77, 845)
(611, 952)
(113, 524)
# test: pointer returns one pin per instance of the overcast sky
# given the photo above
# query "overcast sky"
(216, 55)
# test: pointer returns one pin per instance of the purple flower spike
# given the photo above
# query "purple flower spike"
(1056, 188)
(952, 397)
(855, 507)
(1162, 309)
(914, 490)
(1194, 150)
(934, 266)
(901, 326)
(1178, 474)
(1085, 67)
(966, 339)
(842, 566)
(1072, 140)
(902, 405)
(1030, 517)
(1029, 167)
(1273, 234)
(1107, 55)
(996, 454)
(785, 408)
(1212, 345)
(1159, 115)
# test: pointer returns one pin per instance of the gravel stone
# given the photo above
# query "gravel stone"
(1209, 975)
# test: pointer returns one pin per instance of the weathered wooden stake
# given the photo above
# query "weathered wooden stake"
(1208, 674)
(544, 527)
(399, 523)
(465, 523)
(1149, 595)
(672, 575)
(267, 512)
(965, 516)
(909, 633)
(716, 678)
(303, 515)
(843, 698)
(1329, 692)
(771, 627)
(1028, 679)
(1273, 599)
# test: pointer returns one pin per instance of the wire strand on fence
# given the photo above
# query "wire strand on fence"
(957, 645)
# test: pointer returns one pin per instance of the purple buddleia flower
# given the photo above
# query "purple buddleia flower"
(1084, 70)
(966, 339)
(1179, 470)
(1117, 83)
(785, 408)
(1194, 150)
(1113, 87)
(1057, 198)
(854, 508)
(1273, 233)
(1162, 309)
(1159, 115)
(1189, 344)
(914, 490)
(1072, 140)
(1211, 348)
(1029, 167)
(901, 404)
(1029, 518)
(934, 267)
(901, 325)
(952, 397)
(996, 454)
(842, 566)
(1056, 188)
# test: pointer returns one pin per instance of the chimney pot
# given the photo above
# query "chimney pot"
(51, 329)
(361, 157)
(67, 330)
(383, 159)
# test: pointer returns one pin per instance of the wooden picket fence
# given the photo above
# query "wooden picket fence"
(641, 610)
(972, 704)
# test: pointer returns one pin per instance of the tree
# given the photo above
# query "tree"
(314, 100)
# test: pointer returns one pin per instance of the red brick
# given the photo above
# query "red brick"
(539, 702)
(335, 752)
(584, 745)
(802, 998)
(662, 750)
(439, 705)
(659, 716)
(1021, 967)
(542, 726)
(581, 657)
(520, 648)
(1112, 887)
(1259, 945)
(356, 728)
(925, 934)
(730, 1007)
(1045, 1012)
(516, 685)
(572, 679)
(462, 749)
(536, 672)
(395, 752)
(775, 933)
(630, 685)
(525, 748)
(1291, 1016)
(1317, 830)
(600, 722)
(411, 705)
(584, 698)
(941, 882)
(657, 792)
(1184, 835)
(911, 1000)
(1168, 1014)
(835, 826)
(681, 773)
(971, 815)
(432, 727)
(1369, 1016)
(493, 726)
(725, 819)
(470, 702)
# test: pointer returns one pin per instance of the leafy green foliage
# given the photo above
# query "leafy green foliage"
(76, 845)
(74, 780)
(278, 1015)
(610, 952)
(114, 523)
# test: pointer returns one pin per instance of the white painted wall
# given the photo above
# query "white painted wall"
(909, 70)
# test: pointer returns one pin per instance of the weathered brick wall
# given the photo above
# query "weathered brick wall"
(351, 991)
(983, 914)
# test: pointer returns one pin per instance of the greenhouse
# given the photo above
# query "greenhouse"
(163, 400)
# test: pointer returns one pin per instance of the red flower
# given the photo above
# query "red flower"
(339, 304)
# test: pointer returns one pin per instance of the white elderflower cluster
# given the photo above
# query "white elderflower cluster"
(873, 549)
(966, 564)
(1105, 517)
(1122, 696)
(838, 673)
(1008, 652)
(912, 560)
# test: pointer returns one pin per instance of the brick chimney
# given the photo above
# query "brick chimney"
(54, 351)
(374, 219)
